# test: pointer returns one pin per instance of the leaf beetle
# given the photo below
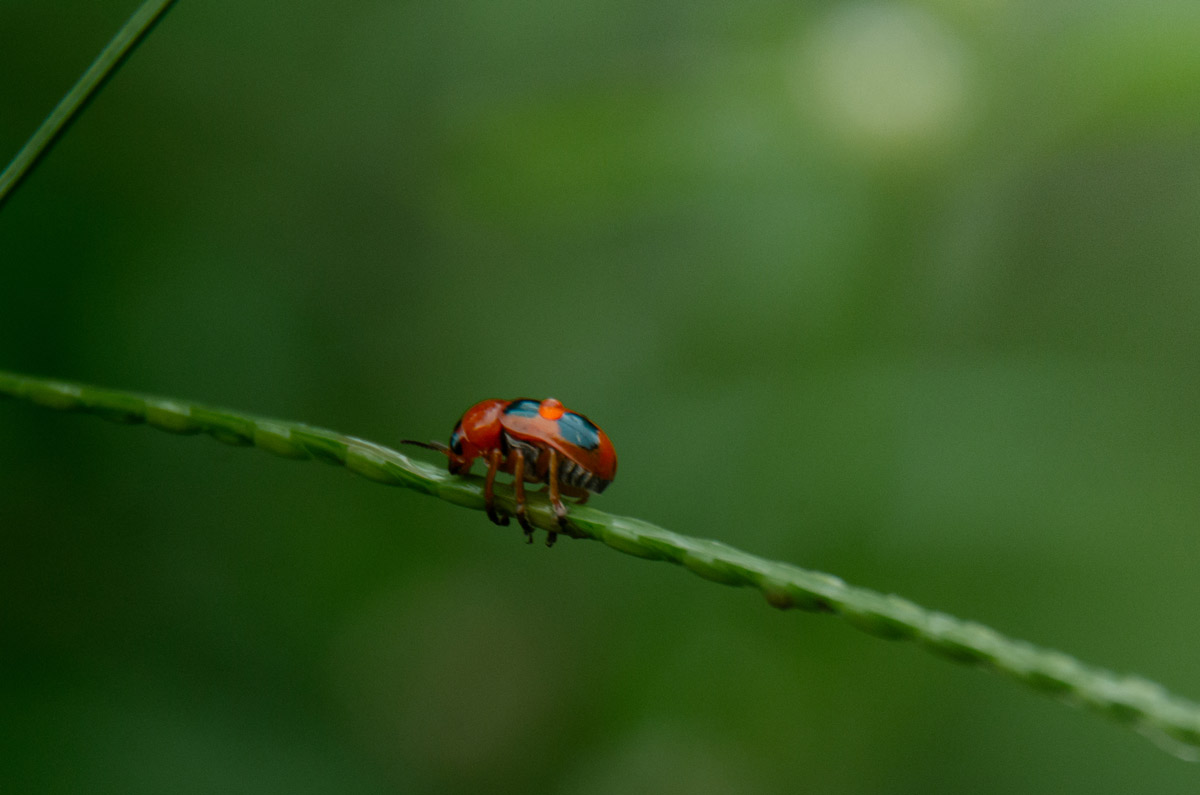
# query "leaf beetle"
(536, 442)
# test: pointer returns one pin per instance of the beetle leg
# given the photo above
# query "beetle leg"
(519, 492)
(580, 495)
(489, 493)
(560, 510)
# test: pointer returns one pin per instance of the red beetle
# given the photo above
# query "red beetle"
(536, 443)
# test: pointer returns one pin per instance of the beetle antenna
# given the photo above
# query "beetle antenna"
(438, 446)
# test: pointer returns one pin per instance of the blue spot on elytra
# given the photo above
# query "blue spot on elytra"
(578, 431)
(523, 408)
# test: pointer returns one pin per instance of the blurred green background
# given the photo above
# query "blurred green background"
(902, 291)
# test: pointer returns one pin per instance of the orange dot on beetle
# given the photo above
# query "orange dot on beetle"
(550, 409)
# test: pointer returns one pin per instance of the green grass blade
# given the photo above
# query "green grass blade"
(103, 68)
(1133, 701)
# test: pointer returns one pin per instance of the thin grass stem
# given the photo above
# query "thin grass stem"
(84, 90)
(1169, 720)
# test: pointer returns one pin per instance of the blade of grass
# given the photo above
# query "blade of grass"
(101, 70)
(1167, 719)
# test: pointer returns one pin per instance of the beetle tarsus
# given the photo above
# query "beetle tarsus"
(524, 521)
(560, 514)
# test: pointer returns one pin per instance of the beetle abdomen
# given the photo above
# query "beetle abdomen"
(572, 474)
